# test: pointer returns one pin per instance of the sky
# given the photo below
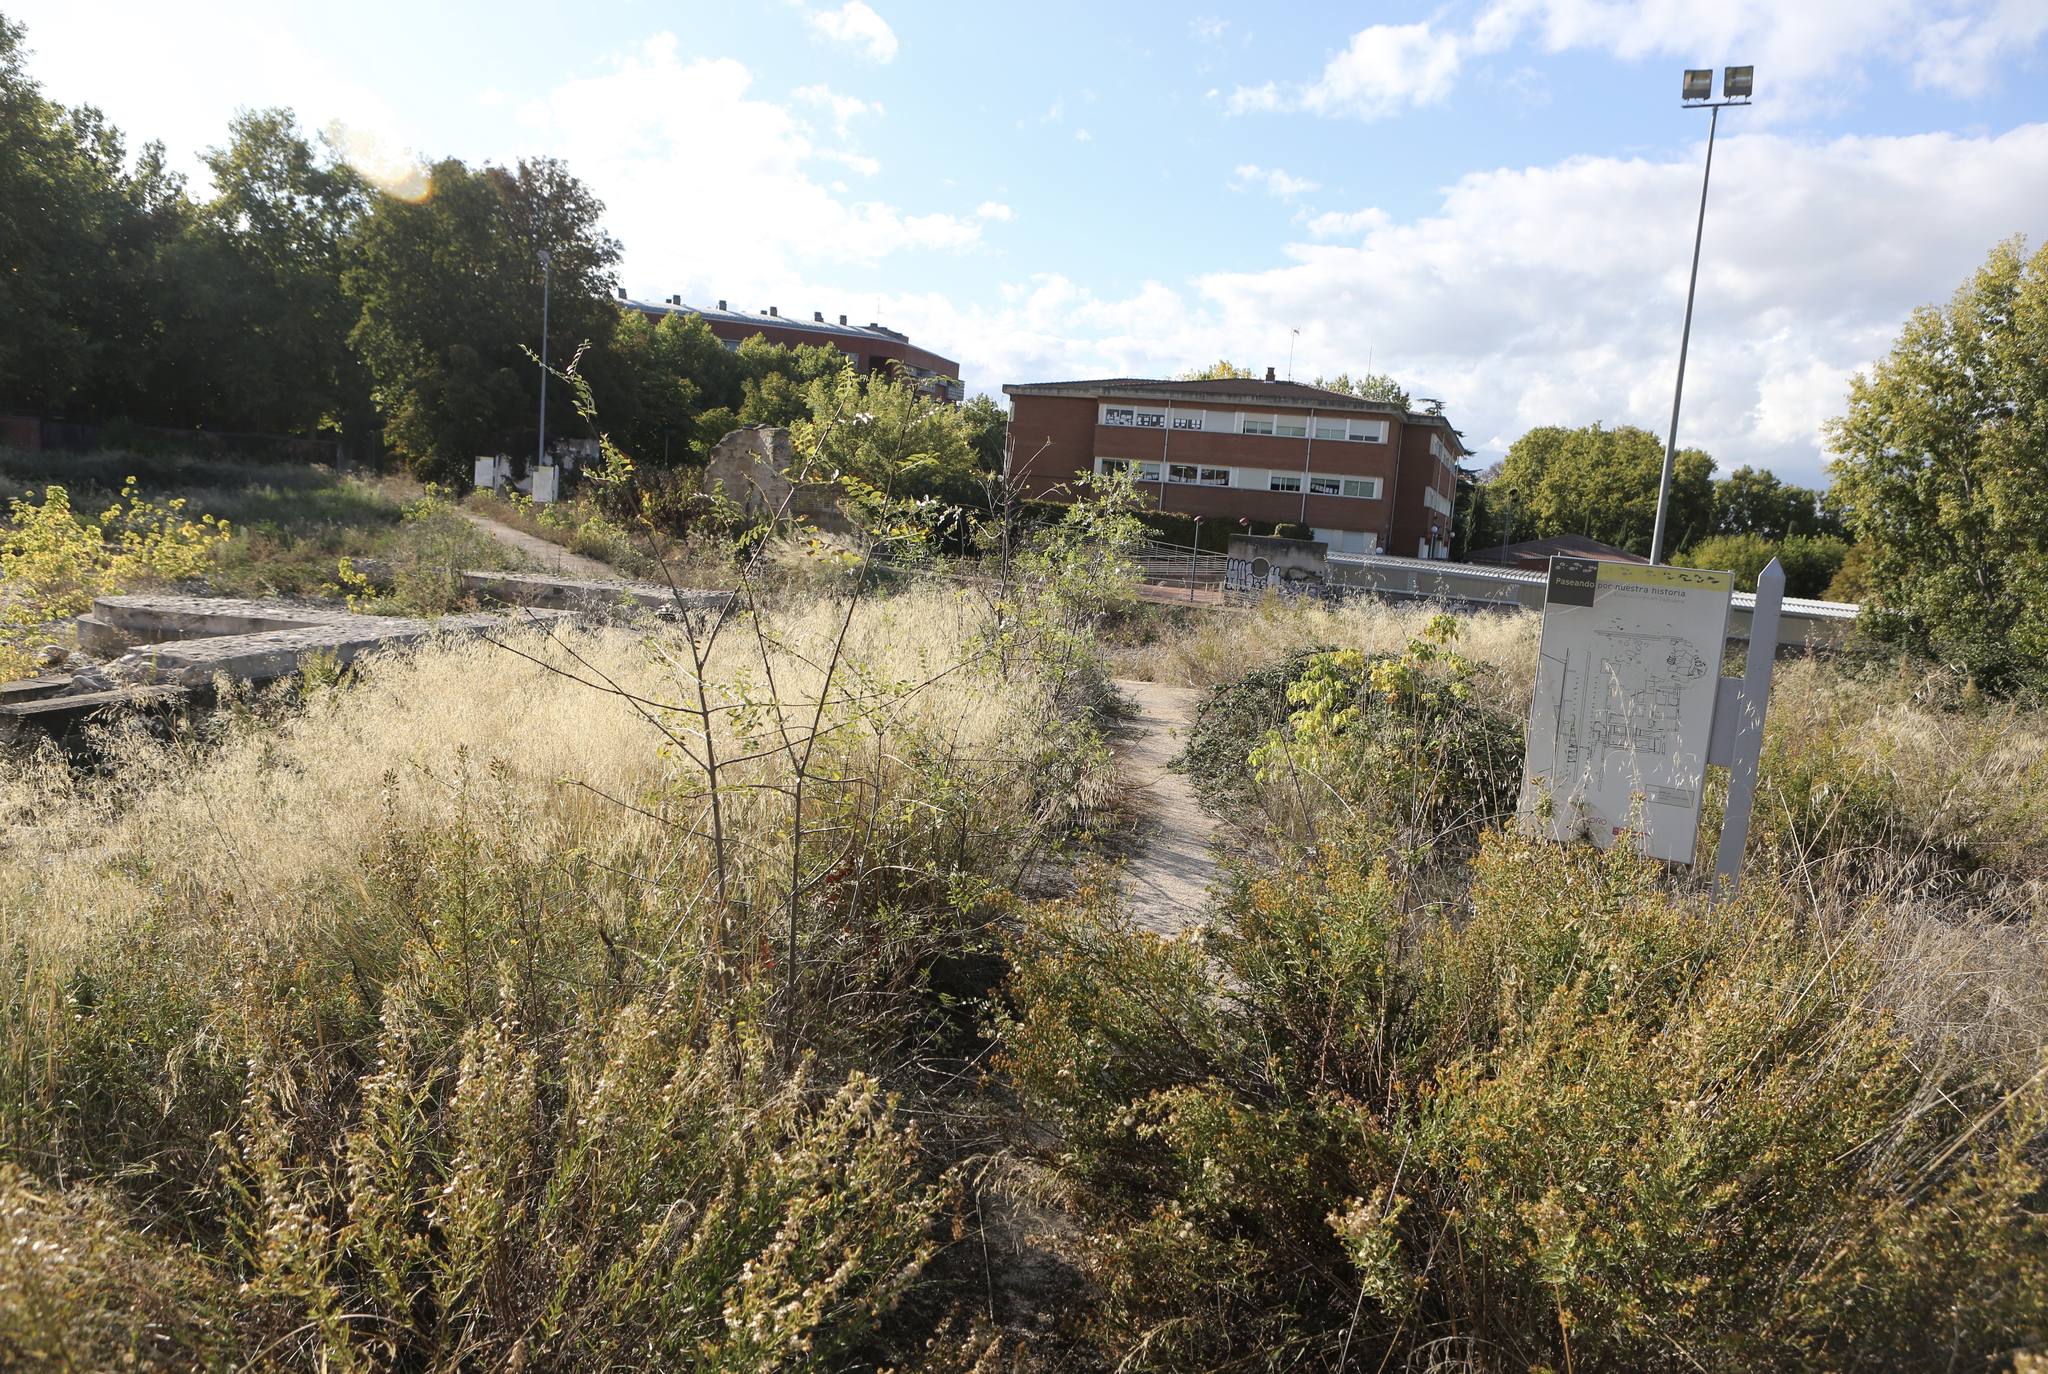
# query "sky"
(1493, 201)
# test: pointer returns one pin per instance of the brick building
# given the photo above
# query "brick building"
(870, 346)
(1365, 476)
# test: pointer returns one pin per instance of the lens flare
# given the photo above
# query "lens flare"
(395, 171)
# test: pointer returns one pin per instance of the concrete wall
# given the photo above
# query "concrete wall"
(753, 467)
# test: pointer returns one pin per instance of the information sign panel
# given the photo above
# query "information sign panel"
(1624, 703)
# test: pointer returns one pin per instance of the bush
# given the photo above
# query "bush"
(1573, 1124)
(54, 561)
(1810, 561)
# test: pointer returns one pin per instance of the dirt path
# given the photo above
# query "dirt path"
(545, 555)
(1167, 879)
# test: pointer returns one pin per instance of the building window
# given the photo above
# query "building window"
(1290, 427)
(1369, 431)
(1119, 415)
(1325, 486)
(1191, 475)
(1258, 424)
(1284, 481)
(1151, 419)
(1329, 429)
(1367, 488)
(1190, 419)
(1215, 477)
(1139, 471)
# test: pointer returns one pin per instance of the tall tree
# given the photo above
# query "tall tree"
(449, 293)
(1602, 483)
(265, 320)
(1943, 460)
(1754, 501)
(82, 235)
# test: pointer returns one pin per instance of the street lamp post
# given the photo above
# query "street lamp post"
(1194, 554)
(546, 264)
(1736, 83)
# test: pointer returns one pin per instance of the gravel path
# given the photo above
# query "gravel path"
(544, 554)
(1167, 880)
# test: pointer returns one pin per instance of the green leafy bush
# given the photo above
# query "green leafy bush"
(1575, 1124)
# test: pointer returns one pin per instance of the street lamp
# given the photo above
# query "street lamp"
(1696, 94)
(546, 263)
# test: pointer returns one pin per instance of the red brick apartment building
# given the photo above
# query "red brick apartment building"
(1364, 476)
(870, 346)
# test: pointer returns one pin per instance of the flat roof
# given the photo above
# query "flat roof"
(713, 315)
(1235, 391)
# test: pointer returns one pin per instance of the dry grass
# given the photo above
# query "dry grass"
(1208, 649)
(280, 811)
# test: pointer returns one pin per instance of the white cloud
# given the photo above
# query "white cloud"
(843, 109)
(1337, 224)
(1806, 54)
(635, 135)
(994, 209)
(858, 26)
(1083, 136)
(1553, 294)
(1275, 181)
(1207, 29)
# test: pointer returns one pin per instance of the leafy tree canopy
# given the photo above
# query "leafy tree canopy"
(1943, 461)
(1369, 386)
(1221, 370)
(1601, 483)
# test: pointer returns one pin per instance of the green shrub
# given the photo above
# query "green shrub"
(1575, 1125)
(1407, 745)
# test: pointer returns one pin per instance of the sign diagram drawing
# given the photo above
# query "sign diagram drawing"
(1624, 704)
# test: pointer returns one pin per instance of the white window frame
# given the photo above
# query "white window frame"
(1368, 431)
(1208, 475)
(1245, 423)
(1371, 487)
(1279, 420)
(1289, 482)
(1330, 485)
(1174, 475)
(1122, 417)
(1185, 419)
(1150, 419)
(1337, 428)
(1146, 469)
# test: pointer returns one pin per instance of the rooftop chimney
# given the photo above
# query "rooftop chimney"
(842, 319)
(775, 312)
(721, 305)
(622, 293)
(1269, 374)
(818, 315)
(675, 300)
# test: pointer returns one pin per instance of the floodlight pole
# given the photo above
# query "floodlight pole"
(1685, 336)
(546, 266)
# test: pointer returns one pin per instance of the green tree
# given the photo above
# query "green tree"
(1753, 501)
(1221, 370)
(884, 432)
(449, 290)
(671, 374)
(1370, 386)
(1602, 483)
(1943, 459)
(988, 428)
(1810, 561)
(263, 338)
(82, 237)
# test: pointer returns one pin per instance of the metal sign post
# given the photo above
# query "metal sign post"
(1738, 739)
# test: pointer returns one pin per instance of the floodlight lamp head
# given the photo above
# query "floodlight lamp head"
(1736, 82)
(1699, 84)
